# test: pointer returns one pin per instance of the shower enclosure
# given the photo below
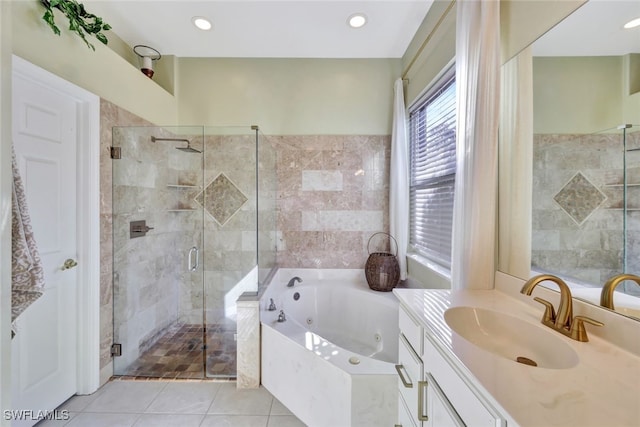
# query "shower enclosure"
(586, 205)
(193, 228)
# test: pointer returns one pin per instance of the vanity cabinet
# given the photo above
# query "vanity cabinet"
(462, 401)
(432, 393)
(410, 377)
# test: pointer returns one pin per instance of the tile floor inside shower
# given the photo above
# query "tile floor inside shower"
(178, 353)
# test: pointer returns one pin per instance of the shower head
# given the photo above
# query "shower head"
(187, 149)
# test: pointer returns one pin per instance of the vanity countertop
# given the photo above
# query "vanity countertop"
(603, 389)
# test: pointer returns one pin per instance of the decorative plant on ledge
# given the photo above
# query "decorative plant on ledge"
(80, 21)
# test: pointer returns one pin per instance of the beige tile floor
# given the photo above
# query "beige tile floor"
(175, 403)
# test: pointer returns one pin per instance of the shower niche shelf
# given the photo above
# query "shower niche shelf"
(178, 186)
(622, 185)
(181, 207)
(617, 187)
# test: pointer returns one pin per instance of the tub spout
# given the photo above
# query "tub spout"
(272, 305)
(282, 317)
(293, 281)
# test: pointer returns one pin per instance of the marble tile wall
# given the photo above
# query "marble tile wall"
(633, 216)
(332, 196)
(267, 208)
(110, 115)
(577, 205)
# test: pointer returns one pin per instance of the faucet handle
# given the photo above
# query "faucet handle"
(549, 315)
(578, 331)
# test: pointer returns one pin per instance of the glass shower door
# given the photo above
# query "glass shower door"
(194, 227)
(158, 254)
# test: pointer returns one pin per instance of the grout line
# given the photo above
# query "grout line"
(215, 396)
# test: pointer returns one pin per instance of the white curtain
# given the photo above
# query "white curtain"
(399, 178)
(478, 96)
(516, 165)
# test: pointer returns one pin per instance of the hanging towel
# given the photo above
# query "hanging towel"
(27, 274)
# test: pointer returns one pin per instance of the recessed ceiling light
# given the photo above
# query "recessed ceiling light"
(201, 22)
(357, 20)
(632, 24)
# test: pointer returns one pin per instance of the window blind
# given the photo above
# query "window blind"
(432, 127)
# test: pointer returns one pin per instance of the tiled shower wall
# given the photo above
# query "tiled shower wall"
(577, 205)
(333, 194)
(229, 222)
(110, 116)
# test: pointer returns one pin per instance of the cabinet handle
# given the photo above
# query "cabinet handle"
(405, 383)
(422, 388)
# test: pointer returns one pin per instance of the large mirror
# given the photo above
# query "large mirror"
(584, 158)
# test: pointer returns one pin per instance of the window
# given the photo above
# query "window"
(432, 138)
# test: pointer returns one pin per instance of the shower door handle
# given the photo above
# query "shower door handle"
(193, 266)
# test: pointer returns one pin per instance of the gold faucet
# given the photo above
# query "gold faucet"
(606, 297)
(563, 321)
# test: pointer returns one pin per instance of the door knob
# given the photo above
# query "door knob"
(69, 263)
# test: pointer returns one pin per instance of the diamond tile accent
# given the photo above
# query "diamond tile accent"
(221, 199)
(579, 198)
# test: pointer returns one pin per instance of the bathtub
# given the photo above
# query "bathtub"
(331, 362)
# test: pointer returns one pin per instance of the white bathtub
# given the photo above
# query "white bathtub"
(332, 361)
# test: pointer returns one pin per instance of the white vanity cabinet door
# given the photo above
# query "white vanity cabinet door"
(472, 409)
(410, 370)
(405, 419)
(440, 411)
(411, 329)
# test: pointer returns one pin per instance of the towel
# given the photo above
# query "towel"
(27, 274)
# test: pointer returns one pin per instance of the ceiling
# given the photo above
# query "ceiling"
(266, 29)
(595, 29)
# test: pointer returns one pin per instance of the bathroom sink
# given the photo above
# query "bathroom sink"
(511, 338)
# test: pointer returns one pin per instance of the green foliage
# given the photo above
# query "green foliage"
(80, 21)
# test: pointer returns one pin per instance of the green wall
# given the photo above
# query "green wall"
(422, 62)
(577, 94)
(289, 96)
(103, 72)
(523, 21)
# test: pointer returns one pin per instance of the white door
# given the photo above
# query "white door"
(44, 350)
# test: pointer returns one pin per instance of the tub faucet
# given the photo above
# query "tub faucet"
(282, 317)
(606, 298)
(272, 305)
(563, 322)
(293, 281)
